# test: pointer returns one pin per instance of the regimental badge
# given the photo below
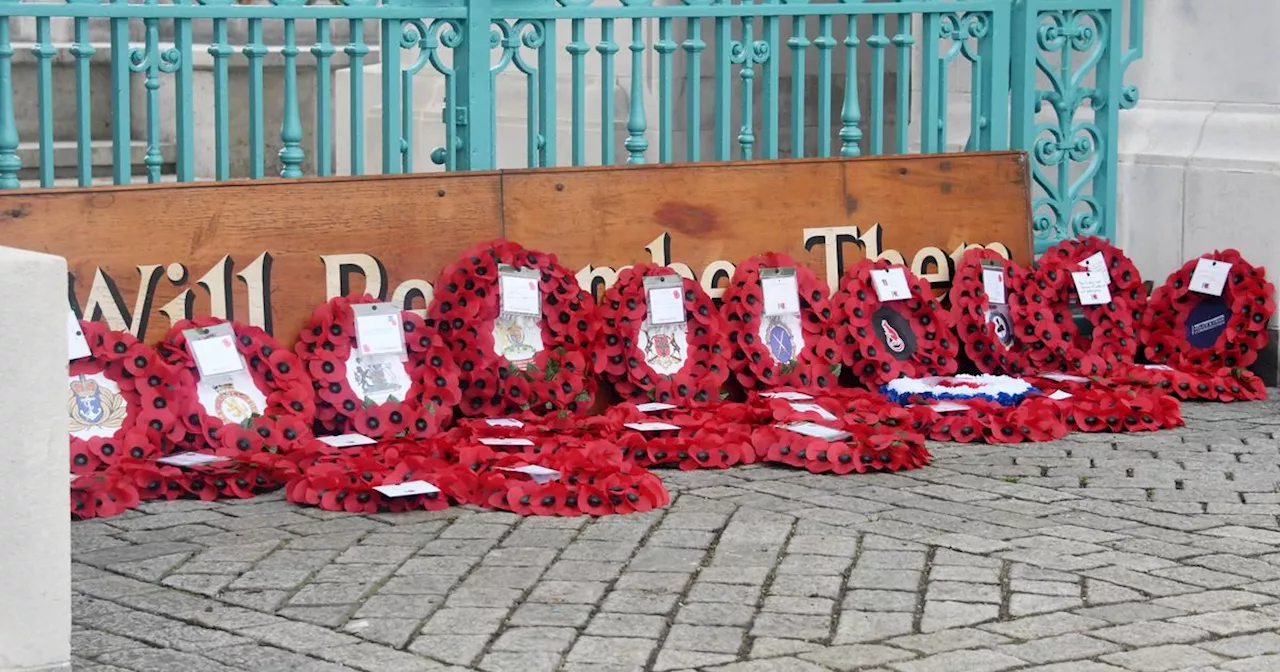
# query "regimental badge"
(233, 406)
(92, 406)
(662, 351)
(780, 341)
(892, 339)
(375, 377)
(510, 339)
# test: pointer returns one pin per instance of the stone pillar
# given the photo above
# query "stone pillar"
(35, 533)
(1200, 154)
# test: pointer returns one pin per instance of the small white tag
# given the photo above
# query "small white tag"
(1064, 377)
(1210, 276)
(346, 440)
(539, 474)
(891, 284)
(76, 344)
(74, 477)
(789, 396)
(407, 489)
(781, 291)
(1059, 395)
(993, 284)
(666, 305)
(813, 408)
(1092, 288)
(378, 330)
(651, 426)
(516, 441)
(1096, 264)
(1157, 367)
(654, 406)
(191, 459)
(518, 293)
(818, 431)
(214, 350)
(947, 407)
(503, 422)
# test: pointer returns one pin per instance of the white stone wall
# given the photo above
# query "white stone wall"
(35, 537)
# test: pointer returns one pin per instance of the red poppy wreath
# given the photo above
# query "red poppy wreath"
(379, 397)
(519, 327)
(661, 339)
(984, 319)
(1221, 384)
(1207, 328)
(1108, 342)
(119, 404)
(780, 324)
(905, 334)
(388, 476)
(263, 409)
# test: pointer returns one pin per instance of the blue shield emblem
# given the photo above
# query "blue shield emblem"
(88, 400)
(780, 342)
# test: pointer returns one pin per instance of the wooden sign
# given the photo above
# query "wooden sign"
(919, 211)
(268, 252)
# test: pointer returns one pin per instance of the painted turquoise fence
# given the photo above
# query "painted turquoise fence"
(91, 91)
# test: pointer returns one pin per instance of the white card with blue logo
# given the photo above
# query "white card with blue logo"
(781, 291)
(890, 283)
(78, 347)
(1210, 276)
(379, 330)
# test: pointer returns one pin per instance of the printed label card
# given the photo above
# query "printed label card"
(518, 291)
(781, 291)
(651, 426)
(664, 298)
(407, 489)
(191, 459)
(891, 284)
(503, 422)
(379, 331)
(1093, 288)
(539, 474)
(214, 350)
(813, 408)
(346, 440)
(654, 407)
(1210, 276)
(818, 431)
(514, 441)
(789, 396)
(76, 344)
(993, 284)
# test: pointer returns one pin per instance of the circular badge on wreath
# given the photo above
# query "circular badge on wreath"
(380, 397)
(520, 328)
(1104, 341)
(259, 413)
(882, 340)
(1192, 329)
(783, 344)
(983, 322)
(681, 361)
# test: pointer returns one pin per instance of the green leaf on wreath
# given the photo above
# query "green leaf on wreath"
(583, 396)
(724, 395)
(247, 423)
(431, 408)
(550, 406)
(392, 399)
(835, 369)
(368, 401)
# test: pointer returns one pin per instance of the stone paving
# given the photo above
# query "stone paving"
(1150, 552)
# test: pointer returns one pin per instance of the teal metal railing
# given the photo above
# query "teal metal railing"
(120, 90)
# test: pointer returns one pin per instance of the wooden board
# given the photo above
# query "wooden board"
(267, 252)
(827, 214)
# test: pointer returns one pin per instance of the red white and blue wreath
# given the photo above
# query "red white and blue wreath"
(661, 339)
(985, 287)
(1093, 276)
(1205, 325)
(890, 325)
(383, 395)
(520, 328)
(781, 329)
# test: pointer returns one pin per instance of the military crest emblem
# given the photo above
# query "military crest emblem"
(780, 340)
(93, 408)
(232, 405)
(513, 339)
(376, 377)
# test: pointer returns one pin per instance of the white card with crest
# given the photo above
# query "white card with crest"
(539, 474)
(993, 284)
(78, 347)
(890, 283)
(346, 440)
(1092, 287)
(214, 350)
(781, 291)
(407, 489)
(379, 330)
(518, 291)
(1210, 276)
(818, 431)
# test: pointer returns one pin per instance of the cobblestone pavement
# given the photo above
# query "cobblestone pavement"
(1148, 552)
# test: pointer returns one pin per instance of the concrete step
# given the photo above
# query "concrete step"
(65, 164)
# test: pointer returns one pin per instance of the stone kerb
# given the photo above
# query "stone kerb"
(35, 534)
